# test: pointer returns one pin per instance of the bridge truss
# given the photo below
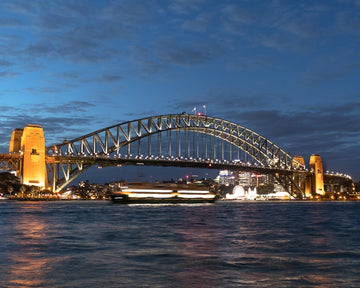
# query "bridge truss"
(9, 161)
(171, 140)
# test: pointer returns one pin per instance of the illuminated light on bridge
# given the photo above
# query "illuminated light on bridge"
(181, 140)
(299, 159)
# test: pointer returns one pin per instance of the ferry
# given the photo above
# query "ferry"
(153, 193)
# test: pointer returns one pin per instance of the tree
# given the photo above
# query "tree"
(22, 189)
(6, 179)
(10, 189)
(357, 186)
(33, 190)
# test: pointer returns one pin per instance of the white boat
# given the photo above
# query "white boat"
(162, 193)
(2, 197)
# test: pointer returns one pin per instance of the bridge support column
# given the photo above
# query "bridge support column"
(15, 141)
(32, 146)
(317, 177)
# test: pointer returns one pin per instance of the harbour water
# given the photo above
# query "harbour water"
(226, 244)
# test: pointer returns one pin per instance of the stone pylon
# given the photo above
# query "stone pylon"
(30, 143)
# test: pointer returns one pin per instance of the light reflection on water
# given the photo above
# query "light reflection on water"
(228, 244)
(27, 264)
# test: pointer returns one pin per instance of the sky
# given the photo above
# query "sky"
(288, 70)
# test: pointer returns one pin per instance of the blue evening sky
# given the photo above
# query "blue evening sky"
(289, 70)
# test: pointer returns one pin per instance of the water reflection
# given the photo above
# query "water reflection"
(197, 244)
(28, 263)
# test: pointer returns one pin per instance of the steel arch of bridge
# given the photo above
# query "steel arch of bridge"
(71, 158)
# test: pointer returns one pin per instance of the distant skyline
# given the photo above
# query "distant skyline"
(288, 70)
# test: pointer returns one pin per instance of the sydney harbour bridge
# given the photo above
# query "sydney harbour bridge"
(181, 140)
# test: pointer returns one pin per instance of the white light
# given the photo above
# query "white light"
(151, 195)
(192, 191)
(147, 190)
(208, 196)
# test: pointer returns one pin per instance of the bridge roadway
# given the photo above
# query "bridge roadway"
(172, 162)
(9, 162)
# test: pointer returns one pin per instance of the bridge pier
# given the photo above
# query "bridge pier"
(30, 143)
(15, 141)
(314, 183)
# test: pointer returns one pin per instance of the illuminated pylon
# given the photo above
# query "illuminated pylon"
(30, 143)
(315, 183)
(15, 142)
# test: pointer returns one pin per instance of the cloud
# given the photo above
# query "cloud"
(6, 74)
(347, 22)
(286, 26)
(109, 78)
(186, 6)
(62, 30)
(69, 120)
(186, 55)
(146, 60)
(250, 63)
(198, 24)
(10, 23)
(239, 15)
(329, 67)
(168, 52)
(70, 107)
(34, 90)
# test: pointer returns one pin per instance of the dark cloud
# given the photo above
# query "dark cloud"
(44, 90)
(4, 74)
(238, 15)
(332, 67)
(168, 52)
(69, 75)
(243, 63)
(19, 7)
(200, 23)
(62, 30)
(302, 20)
(185, 6)
(109, 78)
(40, 49)
(348, 22)
(70, 107)
(284, 25)
(53, 21)
(186, 55)
(10, 22)
(73, 121)
(147, 62)
(79, 77)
